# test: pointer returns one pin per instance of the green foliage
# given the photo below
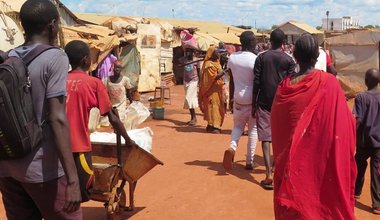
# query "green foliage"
(370, 26)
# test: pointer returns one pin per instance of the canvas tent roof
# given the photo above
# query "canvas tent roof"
(228, 38)
(353, 54)
(367, 37)
(98, 38)
(300, 25)
(205, 40)
(67, 17)
(208, 27)
(94, 18)
(121, 23)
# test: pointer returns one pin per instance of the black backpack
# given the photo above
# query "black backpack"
(20, 131)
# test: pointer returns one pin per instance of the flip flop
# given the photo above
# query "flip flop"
(267, 184)
(191, 123)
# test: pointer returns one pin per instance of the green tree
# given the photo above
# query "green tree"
(274, 27)
(370, 26)
(319, 27)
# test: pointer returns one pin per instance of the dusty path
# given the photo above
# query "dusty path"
(192, 184)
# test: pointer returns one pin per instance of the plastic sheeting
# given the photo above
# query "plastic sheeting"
(353, 54)
(142, 137)
(149, 44)
(97, 37)
(130, 57)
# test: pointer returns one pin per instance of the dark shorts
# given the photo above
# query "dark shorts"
(263, 125)
(83, 163)
(32, 201)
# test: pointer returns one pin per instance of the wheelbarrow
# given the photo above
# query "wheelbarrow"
(114, 166)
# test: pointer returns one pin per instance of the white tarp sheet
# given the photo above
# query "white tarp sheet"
(149, 45)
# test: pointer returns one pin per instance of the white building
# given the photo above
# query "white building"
(339, 24)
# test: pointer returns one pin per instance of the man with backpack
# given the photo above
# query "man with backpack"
(41, 182)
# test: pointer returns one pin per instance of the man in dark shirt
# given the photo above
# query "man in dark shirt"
(271, 67)
(367, 112)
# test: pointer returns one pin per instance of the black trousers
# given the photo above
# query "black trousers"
(83, 163)
(361, 156)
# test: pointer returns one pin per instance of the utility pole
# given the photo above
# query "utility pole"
(327, 15)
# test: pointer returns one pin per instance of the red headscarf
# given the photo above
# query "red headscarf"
(117, 62)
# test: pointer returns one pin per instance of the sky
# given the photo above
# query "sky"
(256, 13)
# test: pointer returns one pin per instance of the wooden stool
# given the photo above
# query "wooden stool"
(161, 90)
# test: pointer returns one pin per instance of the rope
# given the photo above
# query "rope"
(10, 32)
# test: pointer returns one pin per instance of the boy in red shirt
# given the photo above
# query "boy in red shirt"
(83, 93)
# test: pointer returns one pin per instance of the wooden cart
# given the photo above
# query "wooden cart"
(114, 165)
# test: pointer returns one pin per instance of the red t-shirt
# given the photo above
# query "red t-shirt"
(83, 93)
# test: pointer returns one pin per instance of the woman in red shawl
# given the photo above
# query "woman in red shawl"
(313, 133)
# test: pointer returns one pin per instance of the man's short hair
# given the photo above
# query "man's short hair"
(247, 38)
(76, 50)
(277, 36)
(35, 15)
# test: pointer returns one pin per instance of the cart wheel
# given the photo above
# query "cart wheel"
(115, 212)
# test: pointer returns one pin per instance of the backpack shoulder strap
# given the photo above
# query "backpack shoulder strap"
(33, 54)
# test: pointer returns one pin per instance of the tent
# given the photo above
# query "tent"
(14, 7)
(227, 38)
(294, 29)
(353, 55)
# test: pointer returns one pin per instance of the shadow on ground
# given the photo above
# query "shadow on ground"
(181, 126)
(96, 212)
(362, 206)
(238, 170)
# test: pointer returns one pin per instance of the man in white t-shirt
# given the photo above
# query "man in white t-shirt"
(241, 66)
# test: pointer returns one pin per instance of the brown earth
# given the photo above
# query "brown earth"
(192, 184)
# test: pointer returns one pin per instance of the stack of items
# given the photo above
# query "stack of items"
(167, 79)
(157, 109)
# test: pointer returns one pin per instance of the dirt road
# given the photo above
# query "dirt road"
(192, 184)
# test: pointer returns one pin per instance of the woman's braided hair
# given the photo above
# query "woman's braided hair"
(306, 50)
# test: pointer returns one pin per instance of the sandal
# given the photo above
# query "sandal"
(192, 123)
(267, 184)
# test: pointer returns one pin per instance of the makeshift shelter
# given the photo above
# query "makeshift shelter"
(92, 18)
(169, 43)
(294, 29)
(204, 41)
(148, 54)
(130, 58)
(100, 40)
(207, 27)
(353, 54)
(67, 17)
